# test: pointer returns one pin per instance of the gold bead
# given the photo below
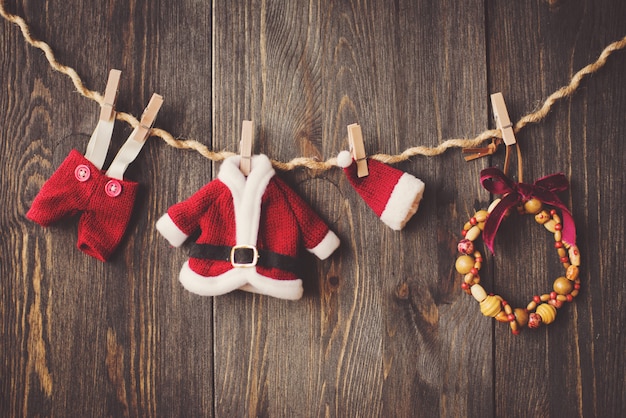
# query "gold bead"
(562, 286)
(490, 306)
(464, 264)
(521, 316)
(547, 313)
(533, 206)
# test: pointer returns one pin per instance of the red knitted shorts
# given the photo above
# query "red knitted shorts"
(80, 187)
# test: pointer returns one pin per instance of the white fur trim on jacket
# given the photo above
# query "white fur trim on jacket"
(246, 279)
(326, 246)
(170, 231)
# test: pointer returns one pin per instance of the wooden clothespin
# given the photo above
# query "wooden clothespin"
(357, 149)
(148, 117)
(107, 112)
(502, 118)
(482, 152)
(245, 146)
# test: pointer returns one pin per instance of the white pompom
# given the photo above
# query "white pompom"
(344, 159)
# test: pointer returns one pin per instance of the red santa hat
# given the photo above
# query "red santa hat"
(391, 193)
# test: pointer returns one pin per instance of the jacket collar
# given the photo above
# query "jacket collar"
(247, 193)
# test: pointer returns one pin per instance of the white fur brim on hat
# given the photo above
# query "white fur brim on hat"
(403, 202)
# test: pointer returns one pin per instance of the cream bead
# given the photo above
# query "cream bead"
(478, 292)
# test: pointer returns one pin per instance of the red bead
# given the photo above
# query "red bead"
(511, 317)
(464, 286)
(576, 286)
(515, 331)
(553, 212)
(564, 259)
(478, 259)
(474, 271)
(558, 244)
(463, 232)
(536, 299)
(558, 227)
(552, 295)
(504, 303)
(570, 298)
(473, 221)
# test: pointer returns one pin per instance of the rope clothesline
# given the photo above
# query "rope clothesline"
(312, 163)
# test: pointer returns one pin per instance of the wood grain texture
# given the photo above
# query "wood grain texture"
(383, 328)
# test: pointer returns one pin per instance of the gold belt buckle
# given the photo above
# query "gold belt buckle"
(255, 256)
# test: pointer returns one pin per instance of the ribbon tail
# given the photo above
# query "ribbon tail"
(496, 217)
(569, 228)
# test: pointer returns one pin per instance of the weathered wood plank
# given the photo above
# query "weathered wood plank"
(570, 368)
(104, 339)
(349, 67)
(383, 328)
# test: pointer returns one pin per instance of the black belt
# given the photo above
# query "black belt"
(246, 256)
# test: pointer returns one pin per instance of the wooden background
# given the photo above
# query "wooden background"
(384, 329)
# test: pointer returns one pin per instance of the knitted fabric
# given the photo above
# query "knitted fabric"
(104, 217)
(392, 194)
(261, 211)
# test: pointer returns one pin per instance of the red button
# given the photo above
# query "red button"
(82, 173)
(113, 188)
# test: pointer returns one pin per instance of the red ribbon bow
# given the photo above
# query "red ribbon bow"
(494, 180)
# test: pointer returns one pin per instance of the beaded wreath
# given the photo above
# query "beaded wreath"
(527, 199)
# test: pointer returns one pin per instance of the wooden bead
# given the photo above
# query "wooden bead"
(574, 293)
(493, 205)
(574, 255)
(490, 306)
(572, 273)
(502, 317)
(561, 298)
(561, 252)
(468, 278)
(473, 233)
(562, 286)
(545, 297)
(465, 246)
(531, 306)
(508, 309)
(556, 218)
(481, 215)
(464, 264)
(547, 313)
(558, 236)
(533, 206)
(478, 292)
(550, 225)
(542, 217)
(521, 316)
(534, 320)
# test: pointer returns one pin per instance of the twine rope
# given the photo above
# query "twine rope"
(312, 163)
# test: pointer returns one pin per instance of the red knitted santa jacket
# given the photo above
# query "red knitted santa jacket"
(259, 210)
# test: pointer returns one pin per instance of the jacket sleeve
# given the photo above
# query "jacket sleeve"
(318, 238)
(183, 218)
